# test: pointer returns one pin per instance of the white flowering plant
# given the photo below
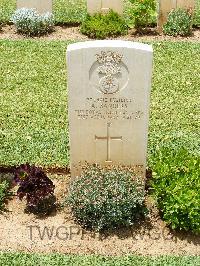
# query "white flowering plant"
(107, 198)
(179, 22)
(29, 22)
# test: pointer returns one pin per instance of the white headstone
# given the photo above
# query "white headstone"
(96, 6)
(109, 89)
(42, 6)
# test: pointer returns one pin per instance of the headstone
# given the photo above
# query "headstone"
(165, 6)
(108, 92)
(103, 6)
(42, 6)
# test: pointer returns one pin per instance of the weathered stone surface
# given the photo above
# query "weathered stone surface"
(42, 6)
(95, 6)
(108, 89)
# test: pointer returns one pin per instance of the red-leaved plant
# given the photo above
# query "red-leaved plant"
(33, 184)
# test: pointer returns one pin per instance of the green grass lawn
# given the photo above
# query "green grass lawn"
(21, 259)
(33, 114)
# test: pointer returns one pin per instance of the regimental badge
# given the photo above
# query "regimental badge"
(109, 67)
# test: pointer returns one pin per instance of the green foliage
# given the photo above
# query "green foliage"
(29, 22)
(6, 10)
(33, 99)
(106, 198)
(176, 185)
(142, 12)
(101, 26)
(30, 259)
(4, 193)
(196, 18)
(179, 22)
(174, 106)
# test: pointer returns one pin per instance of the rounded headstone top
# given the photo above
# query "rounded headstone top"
(110, 44)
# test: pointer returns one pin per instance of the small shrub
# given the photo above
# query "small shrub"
(142, 12)
(179, 22)
(6, 10)
(29, 22)
(36, 187)
(196, 18)
(4, 193)
(101, 26)
(106, 198)
(176, 185)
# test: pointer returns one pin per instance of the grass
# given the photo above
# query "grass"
(174, 106)
(33, 113)
(22, 259)
(34, 101)
(71, 11)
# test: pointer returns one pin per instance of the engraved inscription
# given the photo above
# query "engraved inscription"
(108, 114)
(108, 108)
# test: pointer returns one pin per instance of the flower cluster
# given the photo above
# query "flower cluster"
(106, 198)
(29, 22)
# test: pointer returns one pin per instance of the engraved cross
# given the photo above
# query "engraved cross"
(108, 138)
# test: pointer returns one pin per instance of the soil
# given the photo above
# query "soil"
(21, 231)
(73, 33)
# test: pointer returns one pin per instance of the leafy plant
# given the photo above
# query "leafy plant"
(142, 12)
(29, 22)
(179, 22)
(35, 186)
(6, 10)
(101, 26)
(196, 17)
(4, 193)
(106, 198)
(176, 185)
